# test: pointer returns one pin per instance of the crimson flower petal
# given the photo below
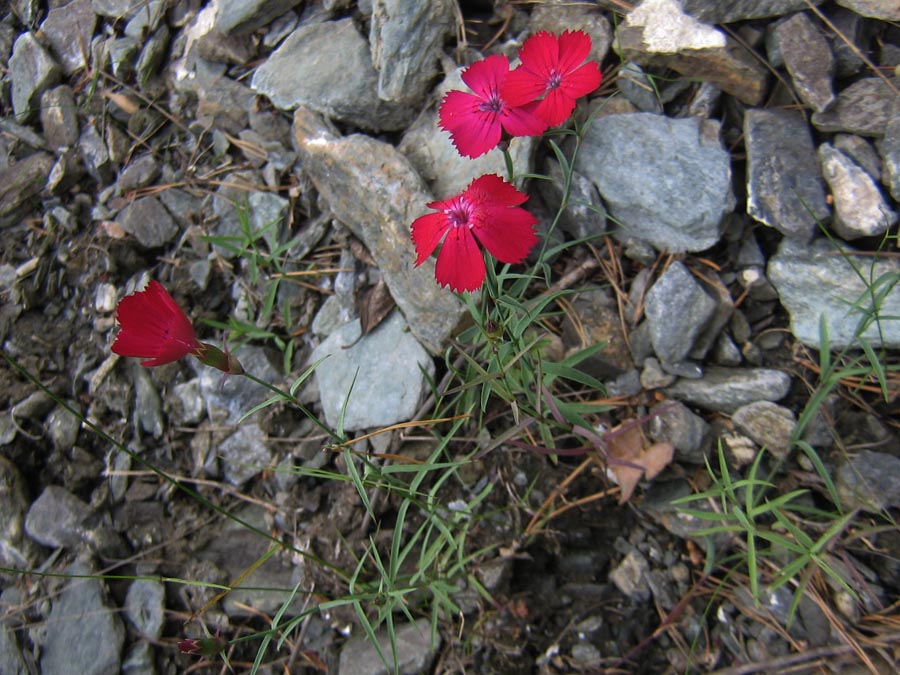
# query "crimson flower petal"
(582, 81)
(153, 327)
(507, 233)
(574, 47)
(492, 189)
(427, 231)
(485, 77)
(556, 107)
(460, 264)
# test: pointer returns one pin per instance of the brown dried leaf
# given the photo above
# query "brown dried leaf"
(630, 461)
(375, 303)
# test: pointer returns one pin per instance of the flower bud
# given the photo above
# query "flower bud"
(211, 355)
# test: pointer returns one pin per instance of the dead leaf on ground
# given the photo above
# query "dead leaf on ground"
(630, 458)
(375, 303)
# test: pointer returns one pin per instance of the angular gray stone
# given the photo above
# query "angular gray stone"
(819, 281)
(860, 151)
(95, 154)
(727, 389)
(406, 38)
(808, 59)
(11, 661)
(59, 117)
(863, 108)
(659, 33)
(21, 184)
(630, 576)
(149, 222)
(387, 365)
(415, 651)
(55, 518)
(768, 424)
(145, 607)
(69, 30)
(729, 11)
(141, 171)
(675, 423)
(328, 68)
(869, 481)
(784, 184)
(860, 209)
(16, 550)
(234, 396)
(116, 9)
(245, 453)
(373, 190)
(677, 310)
(245, 16)
(146, 20)
(31, 71)
(84, 634)
(667, 181)
(886, 10)
(889, 148)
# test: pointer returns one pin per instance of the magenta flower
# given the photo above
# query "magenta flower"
(155, 328)
(476, 122)
(553, 68)
(486, 212)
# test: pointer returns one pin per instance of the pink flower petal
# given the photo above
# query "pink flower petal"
(507, 233)
(460, 264)
(581, 81)
(427, 231)
(523, 86)
(540, 54)
(491, 189)
(574, 47)
(556, 107)
(523, 121)
(485, 77)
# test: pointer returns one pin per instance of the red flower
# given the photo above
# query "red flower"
(486, 212)
(477, 121)
(552, 67)
(154, 327)
(202, 646)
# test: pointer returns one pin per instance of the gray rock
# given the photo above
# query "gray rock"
(139, 659)
(638, 88)
(727, 389)
(863, 108)
(55, 518)
(869, 481)
(598, 322)
(21, 184)
(145, 607)
(11, 661)
(374, 191)
(769, 425)
(69, 30)
(245, 16)
(653, 376)
(406, 38)
(584, 216)
(556, 17)
(659, 33)
(784, 185)
(31, 71)
(415, 651)
(84, 635)
(234, 396)
(677, 310)
(116, 9)
(889, 147)
(434, 156)
(62, 427)
(854, 29)
(887, 10)
(140, 172)
(859, 207)
(729, 11)
(268, 212)
(122, 56)
(387, 365)
(630, 576)
(59, 117)
(148, 221)
(16, 551)
(860, 151)
(328, 68)
(667, 181)
(675, 423)
(245, 453)
(95, 154)
(808, 59)
(153, 53)
(818, 281)
(146, 20)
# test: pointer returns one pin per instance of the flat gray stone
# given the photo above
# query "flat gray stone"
(808, 58)
(84, 634)
(145, 607)
(59, 117)
(860, 210)
(729, 11)
(769, 425)
(667, 181)
(231, 397)
(677, 310)
(20, 186)
(374, 191)
(31, 72)
(863, 108)
(784, 184)
(245, 453)
(818, 281)
(387, 366)
(16, 550)
(407, 39)
(415, 652)
(886, 10)
(328, 68)
(889, 148)
(727, 389)
(245, 16)
(148, 221)
(675, 423)
(55, 518)
(69, 30)
(869, 481)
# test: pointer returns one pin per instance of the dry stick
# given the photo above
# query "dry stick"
(779, 664)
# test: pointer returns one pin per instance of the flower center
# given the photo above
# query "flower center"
(554, 80)
(459, 214)
(492, 104)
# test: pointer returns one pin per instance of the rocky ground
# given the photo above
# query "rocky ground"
(737, 194)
